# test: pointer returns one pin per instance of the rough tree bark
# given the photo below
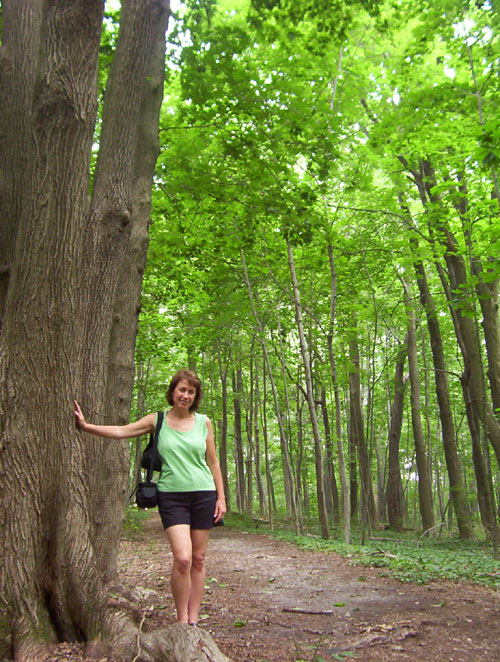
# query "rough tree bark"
(133, 97)
(59, 285)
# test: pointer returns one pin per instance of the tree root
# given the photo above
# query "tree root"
(175, 643)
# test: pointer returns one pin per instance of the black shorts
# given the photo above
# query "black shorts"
(194, 508)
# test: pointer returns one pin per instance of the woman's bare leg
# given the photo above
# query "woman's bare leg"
(180, 581)
(199, 541)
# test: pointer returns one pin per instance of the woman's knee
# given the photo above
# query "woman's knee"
(183, 563)
(198, 561)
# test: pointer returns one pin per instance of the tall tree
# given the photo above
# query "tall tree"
(423, 465)
(318, 446)
(395, 506)
(368, 506)
(67, 252)
(457, 488)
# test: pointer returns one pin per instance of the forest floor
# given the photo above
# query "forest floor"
(269, 601)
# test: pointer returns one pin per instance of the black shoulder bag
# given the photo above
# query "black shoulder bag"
(147, 492)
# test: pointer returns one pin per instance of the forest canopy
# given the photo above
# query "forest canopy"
(324, 251)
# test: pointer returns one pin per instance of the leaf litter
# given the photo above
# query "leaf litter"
(318, 607)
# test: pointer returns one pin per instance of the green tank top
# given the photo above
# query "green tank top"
(183, 464)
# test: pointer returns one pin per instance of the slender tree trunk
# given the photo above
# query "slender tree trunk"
(395, 510)
(488, 300)
(424, 475)
(472, 378)
(380, 457)
(223, 425)
(318, 450)
(369, 514)
(287, 468)
(331, 491)
(269, 483)
(238, 442)
(256, 429)
(353, 464)
(250, 456)
(287, 421)
(487, 285)
(457, 490)
(346, 506)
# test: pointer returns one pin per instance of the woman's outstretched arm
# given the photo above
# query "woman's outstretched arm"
(145, 425)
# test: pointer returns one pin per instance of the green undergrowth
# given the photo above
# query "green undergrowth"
(403, 556)
(133, 523)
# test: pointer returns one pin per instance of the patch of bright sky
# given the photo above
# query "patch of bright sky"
(396, 98)
(449, 72)
(465, 30)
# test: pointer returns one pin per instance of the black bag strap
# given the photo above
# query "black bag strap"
(159, 422)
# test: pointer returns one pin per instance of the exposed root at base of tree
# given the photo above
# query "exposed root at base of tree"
(179, 642)
(125, 641)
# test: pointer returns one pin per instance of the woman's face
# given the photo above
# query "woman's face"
(184, 394)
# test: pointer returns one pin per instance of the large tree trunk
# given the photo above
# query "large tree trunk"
(145, 62)
(21, 37)
(55, 342)
(41, 461)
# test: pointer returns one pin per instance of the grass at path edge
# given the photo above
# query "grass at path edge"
(406, 558)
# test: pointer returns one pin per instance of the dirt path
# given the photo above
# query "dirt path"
(253, 580)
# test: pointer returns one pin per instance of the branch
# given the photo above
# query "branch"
(314, 612)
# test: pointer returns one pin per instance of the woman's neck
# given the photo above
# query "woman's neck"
(183, 414)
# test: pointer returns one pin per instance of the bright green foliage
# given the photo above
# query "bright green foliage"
(311, 122)
(410, 560)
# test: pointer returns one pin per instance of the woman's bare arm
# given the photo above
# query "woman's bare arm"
(145, 425)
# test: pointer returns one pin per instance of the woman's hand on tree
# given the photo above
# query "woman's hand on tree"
(79, 417)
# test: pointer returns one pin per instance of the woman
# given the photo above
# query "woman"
(191, 491)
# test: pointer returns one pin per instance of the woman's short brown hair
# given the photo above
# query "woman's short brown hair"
(192, 379)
